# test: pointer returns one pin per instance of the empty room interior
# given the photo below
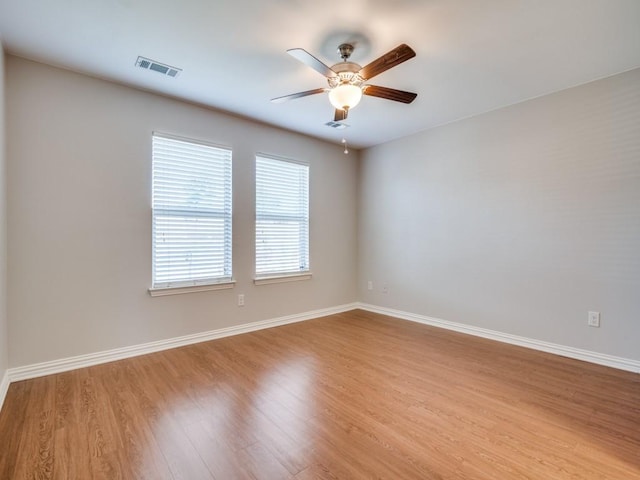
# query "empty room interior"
(320, 240)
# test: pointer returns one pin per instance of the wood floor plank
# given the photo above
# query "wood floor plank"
(350, 396)
(12, 424)
(72, 458)
(183, 460)
(316, 471)
(38, 432)
(221, 460)
(262, 465)
(99, 426)
(140, 450)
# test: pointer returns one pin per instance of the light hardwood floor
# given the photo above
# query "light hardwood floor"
(350, 396)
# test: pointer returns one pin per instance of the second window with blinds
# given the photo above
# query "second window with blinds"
(282, 220)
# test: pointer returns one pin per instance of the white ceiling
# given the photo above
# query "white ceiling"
(472, 55)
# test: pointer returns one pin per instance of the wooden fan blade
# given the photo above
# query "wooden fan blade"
(297, 95)
(311, 61)
(340, 115)
(400, 54)
(389, 93)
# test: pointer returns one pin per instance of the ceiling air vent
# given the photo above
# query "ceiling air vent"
(149, 64)
(336, 125)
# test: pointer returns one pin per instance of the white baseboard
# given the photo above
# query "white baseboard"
(81, 361)
(4, 387)
(562, 350)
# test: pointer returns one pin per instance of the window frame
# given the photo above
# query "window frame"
(226, 214)
(282, 276)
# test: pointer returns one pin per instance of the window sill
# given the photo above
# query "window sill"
(296, 277)
(160, 292)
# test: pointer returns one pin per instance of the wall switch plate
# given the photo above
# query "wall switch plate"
(594, 319)
(241, 300)
(369, 285)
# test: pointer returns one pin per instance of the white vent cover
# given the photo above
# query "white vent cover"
(149, 64)
(336, 125)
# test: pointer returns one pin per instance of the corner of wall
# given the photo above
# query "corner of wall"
(4, 341)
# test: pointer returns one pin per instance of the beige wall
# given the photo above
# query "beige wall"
(519, 220)
(79, 219)
(4, 328)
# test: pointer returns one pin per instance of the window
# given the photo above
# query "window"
(191, 213)
(282, 217)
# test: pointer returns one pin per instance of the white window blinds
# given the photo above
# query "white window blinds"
(282, 217)
(191, 213)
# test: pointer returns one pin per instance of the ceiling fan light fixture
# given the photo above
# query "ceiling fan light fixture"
(345, 96)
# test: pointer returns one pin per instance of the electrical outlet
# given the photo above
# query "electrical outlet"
(593, 319)
(241, 300)
(369, 285)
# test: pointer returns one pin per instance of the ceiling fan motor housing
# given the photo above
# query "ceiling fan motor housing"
(347, 75)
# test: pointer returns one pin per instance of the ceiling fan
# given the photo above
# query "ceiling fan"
(347, 80)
